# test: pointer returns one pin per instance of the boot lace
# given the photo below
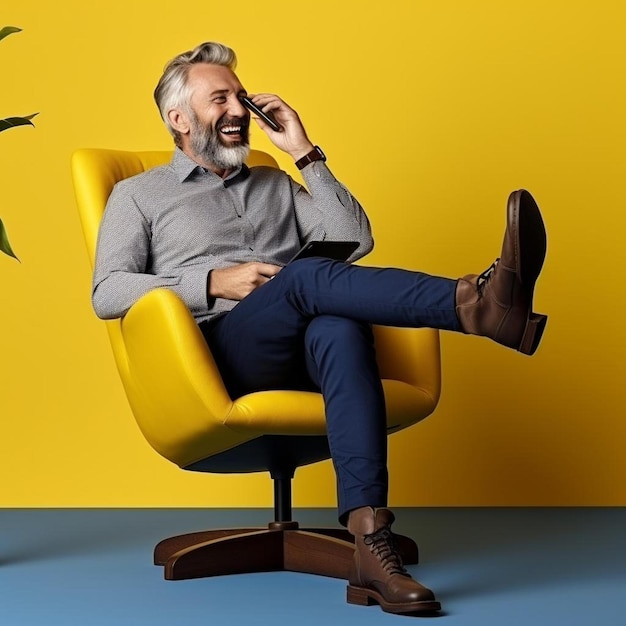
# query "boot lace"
(485, 277)
(382, 545)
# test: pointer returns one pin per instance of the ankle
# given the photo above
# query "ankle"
(367, 520)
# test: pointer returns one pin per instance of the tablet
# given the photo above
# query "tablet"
(336, 250)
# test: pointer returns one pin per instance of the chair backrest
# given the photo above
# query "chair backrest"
(96, 171)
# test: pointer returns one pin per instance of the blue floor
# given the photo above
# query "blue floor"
(487, 567)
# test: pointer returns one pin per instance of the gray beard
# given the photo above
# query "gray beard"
(207, 144)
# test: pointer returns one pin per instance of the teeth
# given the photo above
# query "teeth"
(227, 130)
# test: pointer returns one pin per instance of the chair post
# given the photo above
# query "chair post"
(282, 500)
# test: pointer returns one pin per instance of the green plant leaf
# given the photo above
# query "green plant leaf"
(5, 246)
(9, 30)
(11, 122)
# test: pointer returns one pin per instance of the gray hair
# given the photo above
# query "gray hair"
(173, 91)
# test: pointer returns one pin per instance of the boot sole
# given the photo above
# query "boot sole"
(367, 597)
(530, 238)
(530, 252)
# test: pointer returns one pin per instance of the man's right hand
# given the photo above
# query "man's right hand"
(238, 281)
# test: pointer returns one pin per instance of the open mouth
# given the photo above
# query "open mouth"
(233, 128)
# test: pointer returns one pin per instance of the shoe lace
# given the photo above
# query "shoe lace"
(485, 277)
(382, 545)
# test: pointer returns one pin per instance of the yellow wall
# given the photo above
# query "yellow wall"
(431, 112)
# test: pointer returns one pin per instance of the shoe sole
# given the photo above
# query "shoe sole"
(367, 597)
(531, 239)
(530, 253)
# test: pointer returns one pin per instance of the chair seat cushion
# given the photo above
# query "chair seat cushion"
(272, 412)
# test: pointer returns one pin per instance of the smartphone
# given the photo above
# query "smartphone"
(268, 118)
(336, 250)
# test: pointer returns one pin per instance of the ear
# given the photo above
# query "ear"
(179, 121)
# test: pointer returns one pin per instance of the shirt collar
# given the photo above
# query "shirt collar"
(184, 166)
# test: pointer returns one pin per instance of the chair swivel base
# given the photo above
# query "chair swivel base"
(282, 546)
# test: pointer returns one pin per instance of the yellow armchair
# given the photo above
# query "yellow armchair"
(182, 408)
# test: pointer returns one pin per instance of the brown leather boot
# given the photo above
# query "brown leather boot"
(498, 303)
(378, 576)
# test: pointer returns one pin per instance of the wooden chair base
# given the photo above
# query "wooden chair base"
(282, 546)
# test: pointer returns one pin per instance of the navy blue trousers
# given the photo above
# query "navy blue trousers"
(309, 328)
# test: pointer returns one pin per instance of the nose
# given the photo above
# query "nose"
(235, 108)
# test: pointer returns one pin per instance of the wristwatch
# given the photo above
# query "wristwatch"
(315, 155)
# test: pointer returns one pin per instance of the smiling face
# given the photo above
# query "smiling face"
(215, 129)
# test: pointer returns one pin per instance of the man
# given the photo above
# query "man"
(221, 235)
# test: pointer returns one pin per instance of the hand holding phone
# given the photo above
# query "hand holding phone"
(268, 118)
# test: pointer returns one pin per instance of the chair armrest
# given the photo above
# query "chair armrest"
(180, 401)
(410, 355)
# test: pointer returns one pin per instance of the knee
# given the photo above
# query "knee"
(338, 331)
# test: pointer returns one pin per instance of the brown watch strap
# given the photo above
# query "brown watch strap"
(315, 155)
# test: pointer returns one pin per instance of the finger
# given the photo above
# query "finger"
(268, 269)
(263, 97)
(270, 102)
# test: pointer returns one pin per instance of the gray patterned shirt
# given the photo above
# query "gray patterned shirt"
(170, 226)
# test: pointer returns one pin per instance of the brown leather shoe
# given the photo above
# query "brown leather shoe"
(378, 576)
(498, 303)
